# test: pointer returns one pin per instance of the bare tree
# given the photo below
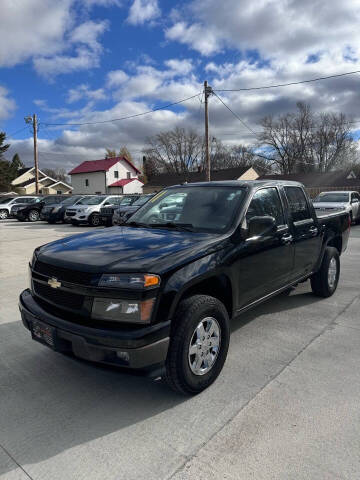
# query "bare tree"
(305, 142)
(57, 173)
(177, 151)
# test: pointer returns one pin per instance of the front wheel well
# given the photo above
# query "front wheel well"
(218, 287)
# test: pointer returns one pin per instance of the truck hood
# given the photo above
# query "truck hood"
(128, 249)
(331, 205)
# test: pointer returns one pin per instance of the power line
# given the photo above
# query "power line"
(124, 118)
(285, 84)
(17, 131)
(235, 115)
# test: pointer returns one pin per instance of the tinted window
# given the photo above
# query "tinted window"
(207, 209)
(297, 202)
(127, 201)
(333, 197)
(142, 200)
(6, 199)
(266, 202)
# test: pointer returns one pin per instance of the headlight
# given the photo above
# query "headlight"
(119, 310)
(141, 281)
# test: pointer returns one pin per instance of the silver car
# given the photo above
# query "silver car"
(349, 201)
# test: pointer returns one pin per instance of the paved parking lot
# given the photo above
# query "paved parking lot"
(286, 405)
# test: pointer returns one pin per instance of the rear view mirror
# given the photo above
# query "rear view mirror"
(259, 226)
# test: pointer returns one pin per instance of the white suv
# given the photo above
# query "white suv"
(88, 209)
(7, 204)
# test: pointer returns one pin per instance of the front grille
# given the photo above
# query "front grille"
(59, 297)
(70, 213)
(71, 276)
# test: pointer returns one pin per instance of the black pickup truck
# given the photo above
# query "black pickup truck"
(158, 297)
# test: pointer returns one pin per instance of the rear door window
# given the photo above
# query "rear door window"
(298, 205)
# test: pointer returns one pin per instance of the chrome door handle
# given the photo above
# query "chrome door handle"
(286, 239)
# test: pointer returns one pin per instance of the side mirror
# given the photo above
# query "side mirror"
(355, 200)
(259, 226)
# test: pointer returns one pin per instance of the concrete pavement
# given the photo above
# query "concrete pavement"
(285, 405)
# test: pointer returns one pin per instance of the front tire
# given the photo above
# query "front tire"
(325, 281)
(94, 220)
(33, 216)
(199, 344)
(4, 214)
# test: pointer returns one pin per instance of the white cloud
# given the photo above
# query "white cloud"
(48, 32)
(197, 36)
(142, 11)
(87, 33)
(274, 27)
(173, 82)
(32, 27)
(7, 104)
(116, 78)
(84, 92)
(87, 51)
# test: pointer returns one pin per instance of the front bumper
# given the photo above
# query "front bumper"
(143, 349)
(51, 217)
(77, 218)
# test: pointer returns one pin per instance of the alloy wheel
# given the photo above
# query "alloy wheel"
(204, 346)
(332, 272)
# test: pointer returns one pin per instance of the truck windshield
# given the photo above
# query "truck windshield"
(203, 209)
(333, 197)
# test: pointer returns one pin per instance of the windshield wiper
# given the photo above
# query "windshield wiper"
(187, 227)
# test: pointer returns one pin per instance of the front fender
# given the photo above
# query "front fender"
(185, 278)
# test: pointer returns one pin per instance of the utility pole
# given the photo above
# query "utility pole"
(207, 93)
(33, 121)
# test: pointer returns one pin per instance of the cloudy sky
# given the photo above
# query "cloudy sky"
(74, 61)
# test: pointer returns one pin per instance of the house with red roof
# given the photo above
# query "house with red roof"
(109, 175)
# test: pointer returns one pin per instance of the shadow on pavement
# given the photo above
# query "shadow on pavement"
(51, 403)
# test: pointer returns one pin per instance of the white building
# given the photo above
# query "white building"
(110, 175)
(25, 183)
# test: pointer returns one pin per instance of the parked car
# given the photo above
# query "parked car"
(159, 297)
(9, 205)
(55, 212)
(106, 213)
(33, 210)
(88, 209)
(350, 201)
(125, 211)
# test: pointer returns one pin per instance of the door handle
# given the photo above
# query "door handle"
(313, 231)
(286, 239)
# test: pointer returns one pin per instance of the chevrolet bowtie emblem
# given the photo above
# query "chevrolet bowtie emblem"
(54, 283)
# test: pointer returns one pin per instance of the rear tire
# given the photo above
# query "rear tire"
(33, 216)
(325, 281)
(196, 316)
